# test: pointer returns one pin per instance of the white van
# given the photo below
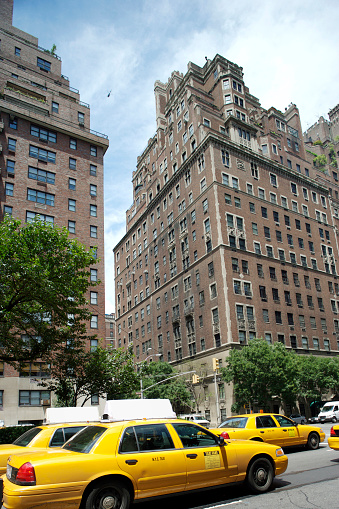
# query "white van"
(329, 412)
(197, 418)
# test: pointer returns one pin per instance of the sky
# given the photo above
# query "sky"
(288, 51)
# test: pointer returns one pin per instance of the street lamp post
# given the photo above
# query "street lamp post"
(145, 360)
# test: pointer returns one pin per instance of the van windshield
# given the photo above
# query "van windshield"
(326, 408)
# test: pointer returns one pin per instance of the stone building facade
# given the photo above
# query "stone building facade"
(232, 234)
(52, 166)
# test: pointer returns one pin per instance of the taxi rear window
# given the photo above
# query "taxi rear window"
(27, 437)
(234, 422)
(85, 439)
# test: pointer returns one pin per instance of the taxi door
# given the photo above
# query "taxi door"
(290, 430)
(147, 453)
(269, 431)
(207, 463)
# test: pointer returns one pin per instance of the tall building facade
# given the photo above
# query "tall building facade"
(232, 234)
(52, 166)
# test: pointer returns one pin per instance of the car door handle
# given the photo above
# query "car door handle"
(262, 431)
(191, 456)
(131, 462)
(284, 429)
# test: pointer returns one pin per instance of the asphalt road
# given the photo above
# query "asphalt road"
(310, 482)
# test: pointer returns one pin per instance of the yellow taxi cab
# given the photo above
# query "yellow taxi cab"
(51, 434)
(333, 439)
(111, 464)
(271, 428)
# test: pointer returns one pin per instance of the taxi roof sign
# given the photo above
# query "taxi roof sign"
(71, 414)
(133, 409)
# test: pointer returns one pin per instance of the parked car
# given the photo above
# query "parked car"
(299, 419)
(111, 464)
(197, 418)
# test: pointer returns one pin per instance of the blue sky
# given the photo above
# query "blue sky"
(288, 51)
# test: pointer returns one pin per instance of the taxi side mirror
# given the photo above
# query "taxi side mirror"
(221, 441)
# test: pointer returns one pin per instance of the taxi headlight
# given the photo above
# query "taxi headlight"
(279, 452)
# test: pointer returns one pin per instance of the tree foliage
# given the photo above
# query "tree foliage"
(43, 280)
(174, 389)
(79, 374)
(261, 372)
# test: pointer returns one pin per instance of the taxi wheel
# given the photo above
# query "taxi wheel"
(334, 419)
(313, 441)
(108, 495)
(260, 475)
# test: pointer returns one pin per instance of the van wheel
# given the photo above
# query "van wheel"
(313, 441)
(260, 475)
(108, 495)
(334, 419)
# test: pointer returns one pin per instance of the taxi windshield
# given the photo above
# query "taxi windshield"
(85, 439)
(27, 437)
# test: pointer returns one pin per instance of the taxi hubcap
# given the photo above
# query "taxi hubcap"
(109, 502)
(261, 475)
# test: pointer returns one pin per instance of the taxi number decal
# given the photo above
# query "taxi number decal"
(291, 433)
(159, 458)
(212, 459)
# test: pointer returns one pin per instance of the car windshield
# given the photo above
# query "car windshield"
(85, 439)
(326, 408)
(27, 437)
(234, 422)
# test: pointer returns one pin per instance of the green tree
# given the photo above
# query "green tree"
(174, 389)
(44, 277)
(78, 374)
(259, 372)
(317, 376)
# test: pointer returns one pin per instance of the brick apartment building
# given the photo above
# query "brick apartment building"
(51, 165)
(232, 233)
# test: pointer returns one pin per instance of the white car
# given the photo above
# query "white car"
(197, 418)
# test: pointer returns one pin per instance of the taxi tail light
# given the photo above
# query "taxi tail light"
(332, 432)
(26, 475)
(225, 435)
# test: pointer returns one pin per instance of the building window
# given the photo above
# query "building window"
(93, 210)
(94, 231)
(40, 197)
(71, 205)
(71, 184)
(93, 151)
(9, 189)
(11, 144)
(72, 163)
(42, 154)
(94, 324)
(81, 118)
(8, 210)
(55, 107)
(43, 64)
(34, 398)
(93, 170)
(72, 143)
(71, 226)
(94, 299)
(13, 123)
(93, 190)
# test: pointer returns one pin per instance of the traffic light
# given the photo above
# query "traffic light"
(215, 364)
(195, 379)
